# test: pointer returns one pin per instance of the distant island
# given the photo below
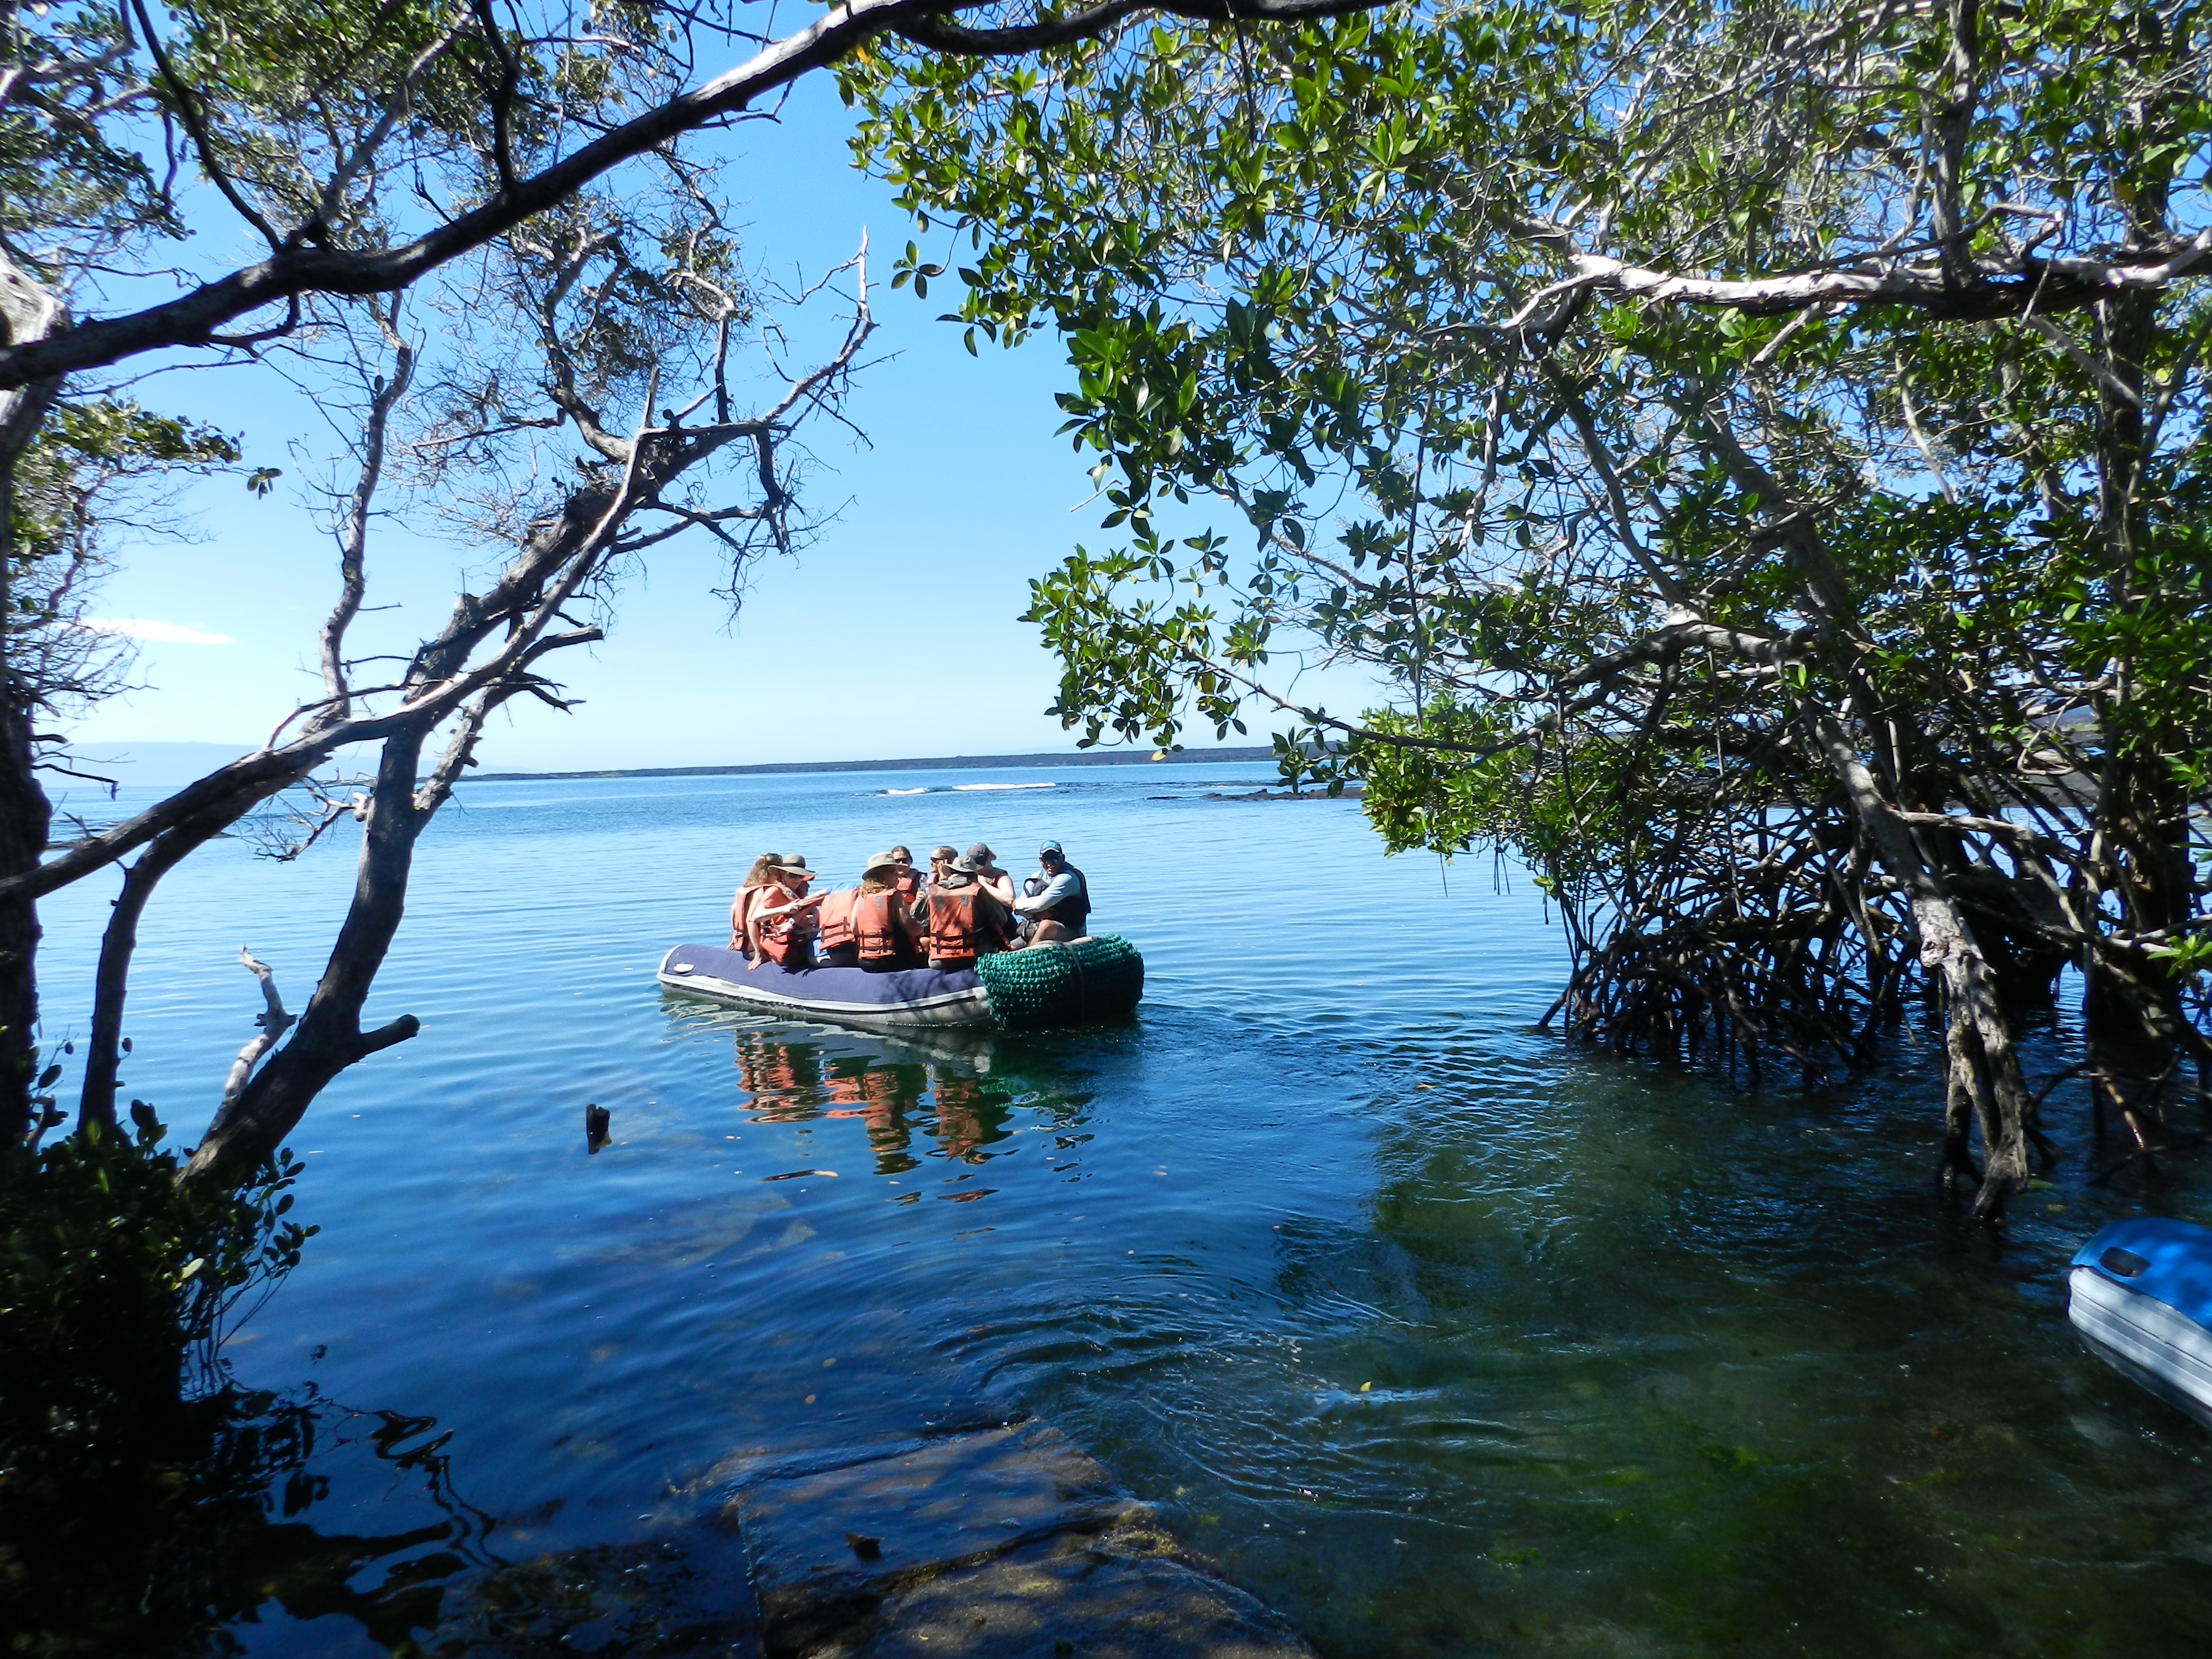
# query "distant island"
(937, 764)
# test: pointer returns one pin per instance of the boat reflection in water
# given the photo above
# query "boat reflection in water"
(940, 1091)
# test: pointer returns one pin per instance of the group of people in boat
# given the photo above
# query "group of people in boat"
(964, 908)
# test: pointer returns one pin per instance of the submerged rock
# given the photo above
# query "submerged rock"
(1001, 1543)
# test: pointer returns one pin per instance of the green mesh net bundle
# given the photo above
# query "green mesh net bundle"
(1065, 984)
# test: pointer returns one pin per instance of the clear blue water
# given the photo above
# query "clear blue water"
(1440, 1337)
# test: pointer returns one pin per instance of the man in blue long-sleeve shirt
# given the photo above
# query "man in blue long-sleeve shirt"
(1056, 901)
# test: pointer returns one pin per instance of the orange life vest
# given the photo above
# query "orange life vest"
(908, 882)
(954, 926)
(779, 938)
(874, 926)
(837, 914)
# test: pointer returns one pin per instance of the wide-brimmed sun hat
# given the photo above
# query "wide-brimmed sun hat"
(965, 865)
(981, 853)
(792, 864)
(880, 861)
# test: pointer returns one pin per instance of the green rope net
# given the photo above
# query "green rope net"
(1067, 984)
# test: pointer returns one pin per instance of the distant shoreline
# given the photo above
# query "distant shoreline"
(939, 763)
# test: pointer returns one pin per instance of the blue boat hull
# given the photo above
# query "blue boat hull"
(910, 998)
(2140, 1292)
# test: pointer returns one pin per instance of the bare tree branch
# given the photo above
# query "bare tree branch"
(272, 1019)
(354, 534)
(1994, 290)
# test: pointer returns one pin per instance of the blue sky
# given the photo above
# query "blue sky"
(897, 633)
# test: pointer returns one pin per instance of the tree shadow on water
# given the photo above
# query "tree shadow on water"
(152, 1507)
(207, 1523)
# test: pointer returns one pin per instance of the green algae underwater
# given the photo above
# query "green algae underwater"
(1436, 1335)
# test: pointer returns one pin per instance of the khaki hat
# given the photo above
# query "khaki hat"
(966, 866)
(880, 861)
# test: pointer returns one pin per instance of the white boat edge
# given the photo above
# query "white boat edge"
(971, 1007)
(2139, 1336)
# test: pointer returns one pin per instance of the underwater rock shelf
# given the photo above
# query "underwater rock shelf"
(998, 1543)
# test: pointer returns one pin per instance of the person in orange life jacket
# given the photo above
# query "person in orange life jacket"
(834, 943)
(782, 931)
(996, 882)
(885, 936)
(837, 944)
(1056, 901)
(762, 874)
(940, 864)
(964, 920)
(807, 924)
(917, 904)
(910, 879)
(769, 914)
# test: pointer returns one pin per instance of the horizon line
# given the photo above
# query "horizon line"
(1118, 756)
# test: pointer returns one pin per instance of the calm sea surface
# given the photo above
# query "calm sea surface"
(1439, 1337)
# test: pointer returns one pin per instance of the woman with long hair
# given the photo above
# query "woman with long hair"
(762, 874)
(779, 924)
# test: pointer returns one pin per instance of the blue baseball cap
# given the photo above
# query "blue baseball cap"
(1050, 847)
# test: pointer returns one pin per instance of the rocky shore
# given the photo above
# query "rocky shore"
(1004, 1542)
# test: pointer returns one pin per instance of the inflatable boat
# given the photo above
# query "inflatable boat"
(2140, 1292)
(1076, 982)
